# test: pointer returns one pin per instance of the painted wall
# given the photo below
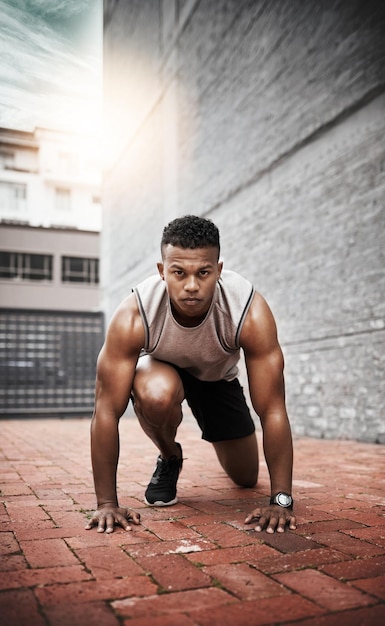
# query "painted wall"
(269, 118)
(53, 295)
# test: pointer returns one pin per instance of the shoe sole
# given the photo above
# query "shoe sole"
(160, 502)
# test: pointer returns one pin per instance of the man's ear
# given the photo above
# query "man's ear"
(220, 267)
(160, 270)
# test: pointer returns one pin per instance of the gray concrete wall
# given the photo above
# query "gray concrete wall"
(267, 117)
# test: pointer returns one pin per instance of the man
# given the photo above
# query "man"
(178, 336)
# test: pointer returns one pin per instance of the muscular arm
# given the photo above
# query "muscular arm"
(264, 363)
(115, 373)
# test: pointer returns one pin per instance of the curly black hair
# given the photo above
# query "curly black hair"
(191, 232)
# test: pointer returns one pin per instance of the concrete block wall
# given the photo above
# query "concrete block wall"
(269, 118)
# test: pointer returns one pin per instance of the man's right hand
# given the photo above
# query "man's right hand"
(107, 516)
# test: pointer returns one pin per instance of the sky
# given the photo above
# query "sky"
(51, 64)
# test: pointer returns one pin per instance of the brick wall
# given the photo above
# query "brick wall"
(267, 117)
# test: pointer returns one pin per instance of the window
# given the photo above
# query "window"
(62, 199)
(17, 265)
(13, 196)
(79, 270)
(7, 160)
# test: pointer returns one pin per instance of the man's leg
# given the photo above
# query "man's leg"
(158, 396)
(239, 459)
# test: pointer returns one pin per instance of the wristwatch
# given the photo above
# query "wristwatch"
(282, 499)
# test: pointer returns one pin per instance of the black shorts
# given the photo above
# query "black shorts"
(219, 407)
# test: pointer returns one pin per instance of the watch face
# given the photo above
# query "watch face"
(283, 499)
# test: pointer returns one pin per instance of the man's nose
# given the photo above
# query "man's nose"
(191, 284)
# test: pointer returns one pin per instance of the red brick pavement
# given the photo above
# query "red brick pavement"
(196, 563)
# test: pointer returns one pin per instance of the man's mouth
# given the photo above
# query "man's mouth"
(191, 301)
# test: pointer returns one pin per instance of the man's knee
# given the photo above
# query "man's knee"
(243, 473)
(246, 479)
(154, 398)
(239, 459)
(157, 395)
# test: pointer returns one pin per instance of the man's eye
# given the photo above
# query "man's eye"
(178, 272)
(204, 273)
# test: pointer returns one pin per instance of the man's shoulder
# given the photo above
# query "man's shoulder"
(126, 326)
(235, 294)
(151, 284)
(235, 285)
(259, 329)
(150, 288)
(127, 312)
(151, 298)
(230, 276)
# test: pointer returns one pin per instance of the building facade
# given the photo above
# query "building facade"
(267, 117)
(51, 324)
(49, 178)
(50, 268)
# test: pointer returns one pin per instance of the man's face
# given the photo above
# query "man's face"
(190, 276)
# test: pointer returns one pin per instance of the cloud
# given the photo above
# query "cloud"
(52, 8)
(45, 80)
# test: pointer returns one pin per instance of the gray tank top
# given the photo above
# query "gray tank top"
(209, 351)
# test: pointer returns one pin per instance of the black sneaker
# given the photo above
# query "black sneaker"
(161, 490)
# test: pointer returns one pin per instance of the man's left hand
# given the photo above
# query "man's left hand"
(272, 518)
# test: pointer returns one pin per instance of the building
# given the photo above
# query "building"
(267, 117)
(50, 268)
(49, 178)
(51, 325)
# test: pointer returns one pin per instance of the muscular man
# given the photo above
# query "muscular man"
(178, 336)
